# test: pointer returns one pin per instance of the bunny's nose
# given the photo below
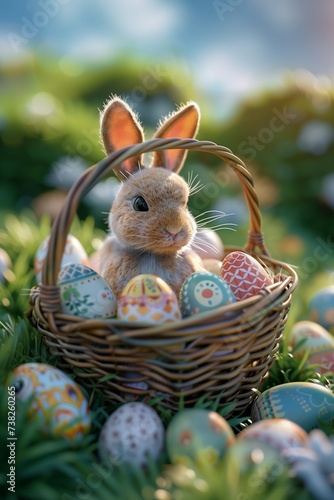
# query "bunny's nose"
(173, 231)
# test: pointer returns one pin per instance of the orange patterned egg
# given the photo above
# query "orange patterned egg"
(56, 401)
(244, 274)
(148, 299)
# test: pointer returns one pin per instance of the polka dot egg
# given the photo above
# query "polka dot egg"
(204, 291)
(148, 299)
(322, 307)
(58, 404)
(132, 434)
(244, 274)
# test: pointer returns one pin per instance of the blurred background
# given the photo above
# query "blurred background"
(261, 70)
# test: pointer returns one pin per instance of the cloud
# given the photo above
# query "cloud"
(283, 14)
(223, 79)
(97, 48)
(129, 24)
(154, 20)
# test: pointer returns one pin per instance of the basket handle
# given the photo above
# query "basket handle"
(94, 174)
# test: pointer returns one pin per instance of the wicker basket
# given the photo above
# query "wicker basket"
(225, 353)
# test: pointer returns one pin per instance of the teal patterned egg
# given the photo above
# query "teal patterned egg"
(198, 436)
(308, 405)
(322, 307)
(204, 291)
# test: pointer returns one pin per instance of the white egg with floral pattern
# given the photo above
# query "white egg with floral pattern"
(83, 292)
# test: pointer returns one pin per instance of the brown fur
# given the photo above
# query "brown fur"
(153, 241)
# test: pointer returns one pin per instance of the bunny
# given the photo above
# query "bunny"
(151, 227)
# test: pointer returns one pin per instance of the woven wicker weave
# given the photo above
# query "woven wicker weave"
(223, 353)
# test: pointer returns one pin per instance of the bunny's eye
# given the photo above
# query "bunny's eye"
(140, 205)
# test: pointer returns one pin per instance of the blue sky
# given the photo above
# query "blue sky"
(229, 47)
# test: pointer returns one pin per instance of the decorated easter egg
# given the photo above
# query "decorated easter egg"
(280, 433)
(73, 252)
(135, 387)
(207, 244)
(58, 404)
(245, 454)
(311, 337)
(198, 436)
(148, 298)
(5, 264)
(322, 307)
(132, 434)
(304, 403)
(84, 292)
(244, 274)
(212, 265)
(204, 291)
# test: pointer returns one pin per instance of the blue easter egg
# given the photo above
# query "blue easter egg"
(307, 404)
(322, 307)
(204, 291)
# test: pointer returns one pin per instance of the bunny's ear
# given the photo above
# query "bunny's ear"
(119, 127)
(182, 124)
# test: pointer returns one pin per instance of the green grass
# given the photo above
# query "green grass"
(52, 469)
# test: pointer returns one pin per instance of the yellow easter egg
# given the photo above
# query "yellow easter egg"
(148, 299)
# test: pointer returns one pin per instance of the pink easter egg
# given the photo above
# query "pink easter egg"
(280, 433)
(244, 274)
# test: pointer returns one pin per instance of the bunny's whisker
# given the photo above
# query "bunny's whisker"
(215, 214)
(224, 226)
(209, 212)
(194, 188)
(147, 246)
(190, 178)
(203, 246)
(125, 176)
